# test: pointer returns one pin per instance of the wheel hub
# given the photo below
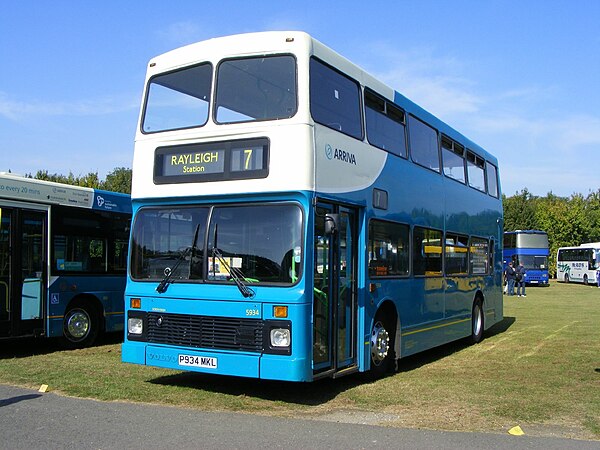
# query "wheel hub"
(380, 343)
(78, 325)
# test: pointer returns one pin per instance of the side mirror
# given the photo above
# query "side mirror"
(331, 223)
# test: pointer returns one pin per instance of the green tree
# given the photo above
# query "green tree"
(90, 180)
(519, 211)
(592, 216)
(119, 180)
(566, 222)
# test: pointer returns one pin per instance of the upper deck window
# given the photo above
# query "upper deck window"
(385, 124)
(492, 179)
(423, 144)
(453, 155)
(335, 100)
(259, 88)
(476, 171)
(178, 99)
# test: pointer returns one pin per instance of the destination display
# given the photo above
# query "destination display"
(194, 162)
(232, 160)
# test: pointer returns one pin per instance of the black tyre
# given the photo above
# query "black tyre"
(81, 326)
(566, 277)
(382, 346)
(477, 324)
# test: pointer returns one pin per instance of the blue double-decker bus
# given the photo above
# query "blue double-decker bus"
(294, 218)
(63, 260)
(529, 247)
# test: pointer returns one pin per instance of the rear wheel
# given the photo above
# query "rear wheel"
(81, 326)
(477, 322)
(566, 277)
(585, 280)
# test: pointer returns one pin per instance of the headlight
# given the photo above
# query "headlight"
(135, 325)
(280, 337)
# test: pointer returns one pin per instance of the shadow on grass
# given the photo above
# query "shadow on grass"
(317, 392)
(26, 347)
(427, 357)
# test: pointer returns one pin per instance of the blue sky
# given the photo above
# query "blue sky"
(521, 78)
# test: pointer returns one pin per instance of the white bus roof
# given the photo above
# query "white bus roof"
(16, 187)
(299, 43)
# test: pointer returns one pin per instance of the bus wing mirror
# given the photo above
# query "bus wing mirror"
(331, 223)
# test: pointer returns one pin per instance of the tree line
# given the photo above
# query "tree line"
(119, 180)
(569, 221)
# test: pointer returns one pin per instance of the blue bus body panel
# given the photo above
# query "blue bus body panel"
(66, 288)
(197, 300)
(111, 201)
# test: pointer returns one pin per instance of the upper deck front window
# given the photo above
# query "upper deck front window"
(259, 88)
(178, 99)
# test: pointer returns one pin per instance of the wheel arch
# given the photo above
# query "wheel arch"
(388, 309)
(88, 299)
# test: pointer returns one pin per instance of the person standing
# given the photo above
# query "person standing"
(520, 275)
(510, 278)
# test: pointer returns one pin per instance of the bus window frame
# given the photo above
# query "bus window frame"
(476, 159)
(385, 112)
(108, 238)
(452, 148)
(215, 88)
(409, 244)
(205, 240)
(487, 179)
(178, 69)
(414, 253)
(412, 149)
(359, 97)
(467, 249)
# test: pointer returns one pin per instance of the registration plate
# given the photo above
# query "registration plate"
(198, 361)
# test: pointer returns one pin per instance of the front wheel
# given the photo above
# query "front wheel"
(382, 352)
(477, 322)
(80, 326)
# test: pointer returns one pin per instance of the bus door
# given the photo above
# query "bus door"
(22, 271)
(335, 289)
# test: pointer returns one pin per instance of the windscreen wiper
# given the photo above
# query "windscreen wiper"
(164, 284)
(236, 274)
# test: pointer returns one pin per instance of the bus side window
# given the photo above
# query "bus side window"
(423, 144)
(335, 100)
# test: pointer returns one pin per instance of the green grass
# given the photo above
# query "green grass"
(539, 368)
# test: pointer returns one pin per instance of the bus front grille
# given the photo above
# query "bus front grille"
(206, 332)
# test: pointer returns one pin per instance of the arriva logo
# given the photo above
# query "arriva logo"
(340, 155)
(328, 151)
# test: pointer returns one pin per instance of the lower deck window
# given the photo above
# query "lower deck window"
(263, 242)
(427, 252)
(388, 249)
